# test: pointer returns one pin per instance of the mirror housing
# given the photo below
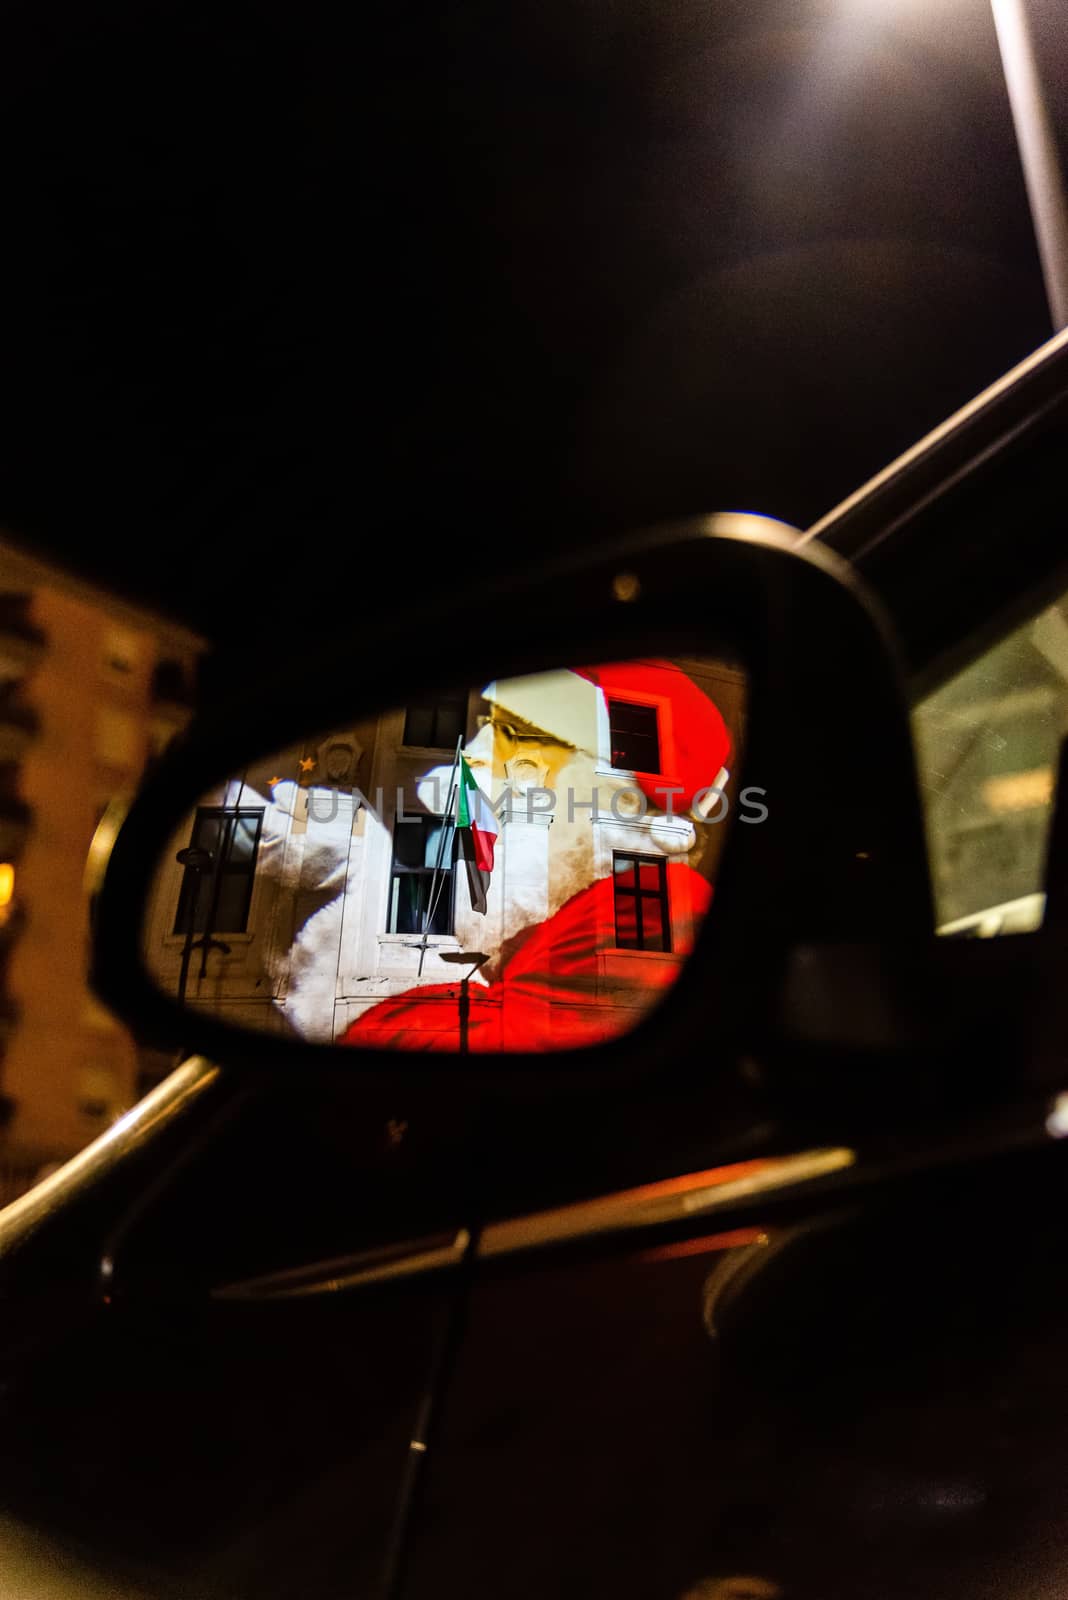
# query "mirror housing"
(840, 856)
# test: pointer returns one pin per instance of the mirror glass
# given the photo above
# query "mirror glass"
(518, 866)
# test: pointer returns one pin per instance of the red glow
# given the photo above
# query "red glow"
(579, 978)
(697, 743)
(545, 998)
(708, 1244)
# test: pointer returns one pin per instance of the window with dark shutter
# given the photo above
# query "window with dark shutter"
(641, 902)
(223, 894)
(635, 736)
(437, 722)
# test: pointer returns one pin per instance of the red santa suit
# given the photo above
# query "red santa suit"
(566, 984)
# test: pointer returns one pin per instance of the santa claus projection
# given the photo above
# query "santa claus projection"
(590, 970)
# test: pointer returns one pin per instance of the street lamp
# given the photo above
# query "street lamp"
(460, 958)
(1035, 141)
(198, 862)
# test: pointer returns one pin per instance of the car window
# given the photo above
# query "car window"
(987, 743)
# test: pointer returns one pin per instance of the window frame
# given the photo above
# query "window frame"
(448, 868)
(638, 859)
(639, 703)
(981, 494)
(179, 928)
(661, 704)
(459, 699)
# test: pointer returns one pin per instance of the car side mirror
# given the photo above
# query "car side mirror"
(275, 895)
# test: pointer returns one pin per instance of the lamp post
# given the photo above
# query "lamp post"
(198, 862)
(458, 958)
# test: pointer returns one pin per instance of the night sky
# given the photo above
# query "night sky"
(334, 286)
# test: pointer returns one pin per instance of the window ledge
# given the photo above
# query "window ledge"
(675, 826)
(623, 772)
(628, 952)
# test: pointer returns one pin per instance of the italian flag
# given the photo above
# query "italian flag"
(476, 829)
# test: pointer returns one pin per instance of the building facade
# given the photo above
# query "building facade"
(92, 694)
(332, 898)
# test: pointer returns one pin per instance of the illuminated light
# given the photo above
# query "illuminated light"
(1019, 791)
(736, 1239)
(666, 1201)
(745, 1587)
(1057, 1121)
(107, 830)
(417, 1444)
(626, 587)
(708, 1179)
(7, 883)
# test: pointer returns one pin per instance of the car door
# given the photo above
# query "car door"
(168, 1442)
(867, 1399)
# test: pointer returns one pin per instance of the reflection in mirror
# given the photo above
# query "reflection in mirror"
(518, 867)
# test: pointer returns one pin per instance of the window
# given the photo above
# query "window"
(987, 745)
(437, 722)
(641, 902)
(416, 843)
(232, 838)
(635, 736)
(170, 684)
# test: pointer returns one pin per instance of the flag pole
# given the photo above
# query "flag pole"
(450, 822)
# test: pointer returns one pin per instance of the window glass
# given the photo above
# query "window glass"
(207, 830)
(243, 839)
(635, 736)
(221, 895)
(627, 937)
(987, 745)
(418, 886)
(436, 724)
(649, 876)
(419, 725)
(231, 912)
(641, 902)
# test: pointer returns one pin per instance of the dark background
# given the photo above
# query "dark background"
(299, 298)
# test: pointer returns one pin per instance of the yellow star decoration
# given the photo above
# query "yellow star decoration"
(307, 763)
(272, 781)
